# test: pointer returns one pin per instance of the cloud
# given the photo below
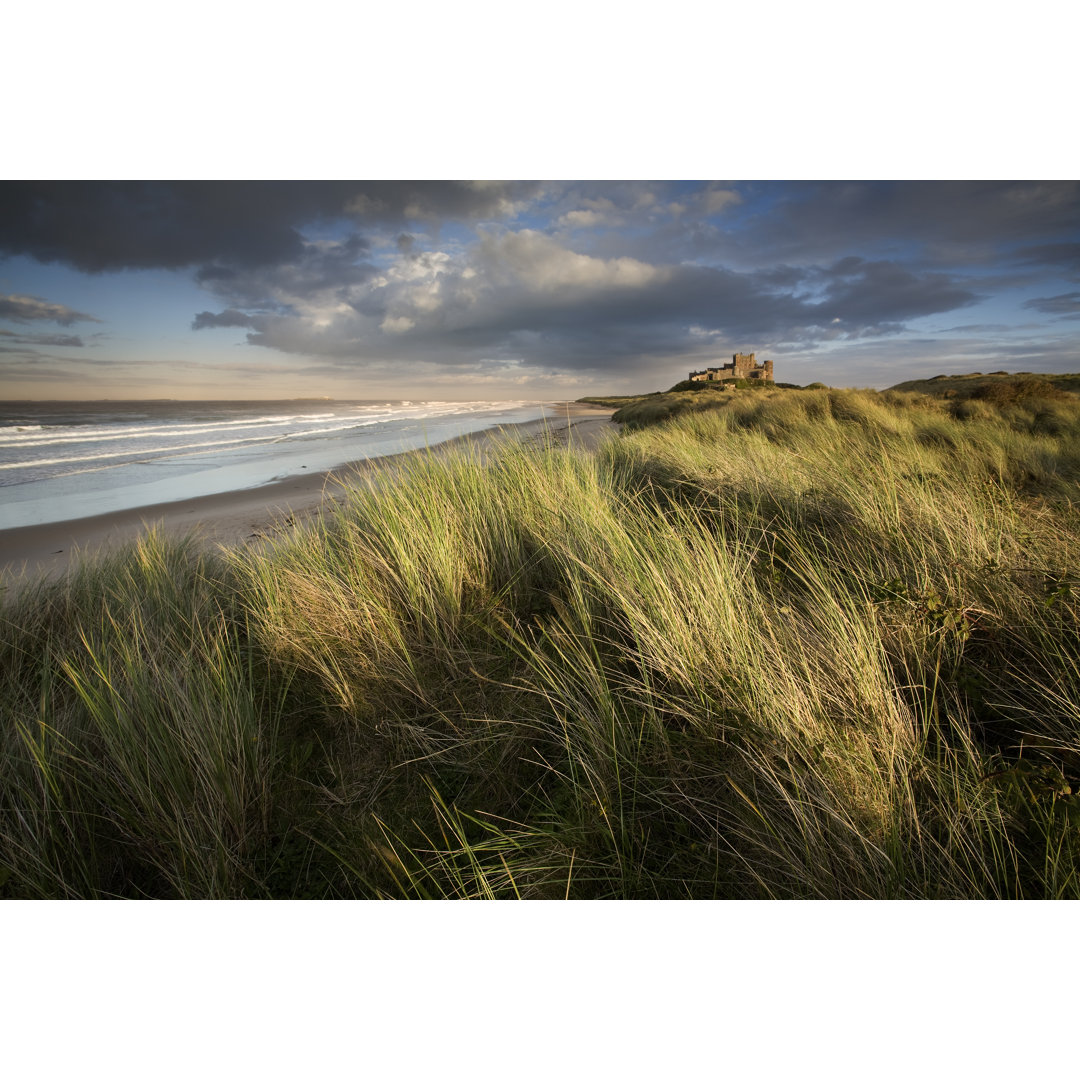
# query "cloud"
(1066, 255)
(524, 297)
(67, 340)
(861, 292)
(317, 269)
(33, 355)
(1067, 304)
(584, 219)
(717, 200)
(230, 317)
(943, 223)
(538, 263)
(112, 225)
(23, 309)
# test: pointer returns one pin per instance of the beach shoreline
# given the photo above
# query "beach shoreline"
(232, 519)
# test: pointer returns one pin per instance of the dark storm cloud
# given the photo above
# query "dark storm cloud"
(207, 275)
(861, 293)
(68, 340)
(231, 317)
(1063, 255)
(22, 309)
(106, 225)
(318, 268)
(1066, 304)
(947, 218)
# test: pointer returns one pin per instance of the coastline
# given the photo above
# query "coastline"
(34, 553)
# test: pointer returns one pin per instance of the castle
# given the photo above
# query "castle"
(742, 366)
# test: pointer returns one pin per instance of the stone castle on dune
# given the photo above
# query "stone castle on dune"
(742, 366)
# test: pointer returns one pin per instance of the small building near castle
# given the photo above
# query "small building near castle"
(742, 366)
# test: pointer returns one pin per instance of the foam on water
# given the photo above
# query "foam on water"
(60, 461)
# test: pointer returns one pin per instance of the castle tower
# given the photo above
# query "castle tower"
(742, 366)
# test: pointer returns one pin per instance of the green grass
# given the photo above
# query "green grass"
(977, 384)
(809, 643)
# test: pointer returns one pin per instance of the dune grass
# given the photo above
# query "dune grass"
(802, 644)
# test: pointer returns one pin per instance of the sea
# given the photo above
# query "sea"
(63, 460)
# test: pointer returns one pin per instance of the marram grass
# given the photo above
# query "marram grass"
(803, 644)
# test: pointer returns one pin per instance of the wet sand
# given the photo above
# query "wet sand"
(236, 518)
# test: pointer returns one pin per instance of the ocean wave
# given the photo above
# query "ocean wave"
(105, 460)
(31, 435)
(89, 434)
(138, 455)
(31, 452)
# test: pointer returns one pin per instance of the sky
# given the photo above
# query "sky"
(524, 290)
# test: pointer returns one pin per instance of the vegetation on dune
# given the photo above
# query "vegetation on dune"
(687, 397)
(976, 384)
(810, 643)
(689, 386)
(615, 402)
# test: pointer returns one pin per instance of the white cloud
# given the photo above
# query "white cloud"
(425, 267)
(719, 199)
(592, 214)
(531, 259)
(582, 219)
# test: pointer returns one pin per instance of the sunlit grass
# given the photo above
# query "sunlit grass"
(805, 643)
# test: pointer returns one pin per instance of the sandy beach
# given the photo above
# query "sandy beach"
(252, 515)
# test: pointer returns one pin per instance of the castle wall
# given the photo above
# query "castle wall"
(742, 366)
